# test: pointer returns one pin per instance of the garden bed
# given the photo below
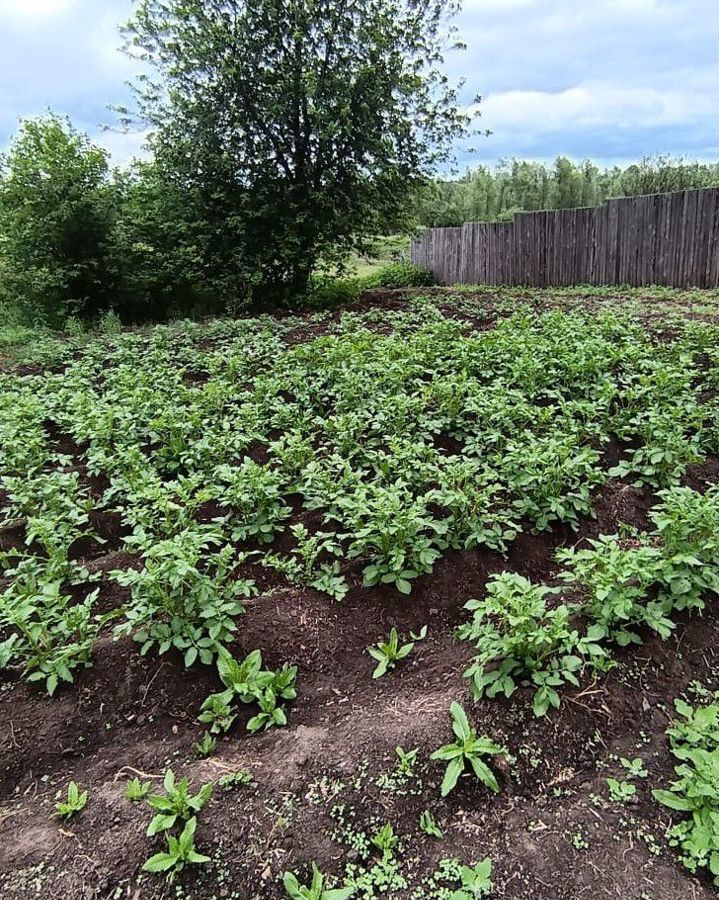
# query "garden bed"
(419, 402)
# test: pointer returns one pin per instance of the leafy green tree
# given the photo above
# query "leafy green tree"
(300, 128)
(159, 248)
(56, 215)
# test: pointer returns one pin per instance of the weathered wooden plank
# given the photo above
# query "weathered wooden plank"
(703, 226)
(711, 271)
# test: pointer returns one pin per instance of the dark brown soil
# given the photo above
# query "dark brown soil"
(131, 714)
(700, 476)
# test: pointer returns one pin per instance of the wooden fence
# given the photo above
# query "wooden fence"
(665, 239)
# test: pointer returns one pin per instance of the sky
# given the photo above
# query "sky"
(608, 80)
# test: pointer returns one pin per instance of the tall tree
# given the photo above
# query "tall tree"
(301, 127)
(56, 212)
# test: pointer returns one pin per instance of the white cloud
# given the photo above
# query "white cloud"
(598, 104)
(29, 12)
(608, 79)
(497, 5)
(122, 146)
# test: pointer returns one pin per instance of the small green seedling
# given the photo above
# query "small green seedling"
(180, 851)
(407, 760)
(316, 889)
(176, 803)
(635, 767)
(66, 809)
(205, 747)
(476, 881)
(385, 839)
(389, 653)
(218, 713)
(137, 790)
(620, 791)
(468, 748)
(428, 825)
(271, 713)
(234, 779)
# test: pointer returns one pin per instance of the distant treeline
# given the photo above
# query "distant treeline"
(486, 195)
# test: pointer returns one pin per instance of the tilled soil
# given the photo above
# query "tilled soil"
(552, 831)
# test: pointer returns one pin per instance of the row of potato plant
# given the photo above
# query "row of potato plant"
(609, 593)
(407, 432)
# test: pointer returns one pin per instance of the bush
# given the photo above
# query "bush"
(56, 211)
(399, 275)
(326, 291)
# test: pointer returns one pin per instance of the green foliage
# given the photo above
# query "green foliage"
(378, 445)
(316, 889)
(309, 562)
(687, 524)
(428, 825)
(254, 495)
(615, 577)
(456, 881)
(75, 802)
(52, 635)
(390, 652)
(635, 768)
(56, 214)
(234, 780)
(518, 637)
(159, 249)
(553, 478)
(326, 291)
(396, 533)
(249, 683)
(622, 585)
(476, 881)
(621, 791)
(695, 727)
(518, 186)
(206, 746)
(385, 839)
(177, 804)
(695, 743)
(180, 852)
(399, 275)
(467, 748)
(136, 790)
(406, 760)
(176, 603)
(312, 157)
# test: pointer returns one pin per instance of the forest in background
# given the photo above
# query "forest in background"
(484, 194)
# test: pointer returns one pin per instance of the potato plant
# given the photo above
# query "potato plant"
(695, 792)
(518, 637)
(185, 597)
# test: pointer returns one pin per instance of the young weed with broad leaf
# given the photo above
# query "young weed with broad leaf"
(468, 748)
(316, 889)
(176, 804)
(74, 803)
(388, 653)
(248, 682)
(180, 852)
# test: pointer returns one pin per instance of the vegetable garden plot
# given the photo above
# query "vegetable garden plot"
(230, 516)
